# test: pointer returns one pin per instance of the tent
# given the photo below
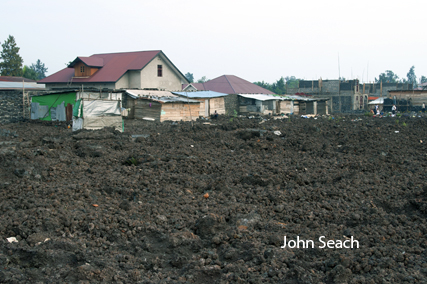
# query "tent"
(97, 114)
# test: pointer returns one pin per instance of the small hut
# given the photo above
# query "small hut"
(210, 101)
(88, 110)
(160, 106)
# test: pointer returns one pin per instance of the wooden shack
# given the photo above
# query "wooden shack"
(160, 106)
(210, 101)
(294, 104)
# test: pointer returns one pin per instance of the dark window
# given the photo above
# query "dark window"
(159, 71)
(82, 69)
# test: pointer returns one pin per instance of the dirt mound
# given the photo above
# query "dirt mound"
(104, 206)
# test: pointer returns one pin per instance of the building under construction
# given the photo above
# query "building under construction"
(348, 96)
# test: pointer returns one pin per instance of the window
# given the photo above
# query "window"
(159, 71)
(82, 69)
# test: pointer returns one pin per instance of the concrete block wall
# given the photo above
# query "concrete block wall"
(330, 86)
(10, 106)
(231, 103)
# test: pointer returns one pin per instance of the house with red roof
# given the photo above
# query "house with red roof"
(151, 70)
(228, 84)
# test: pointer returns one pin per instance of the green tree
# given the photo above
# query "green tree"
(423, 79)
(387, 77)
(264, 85)
(412, 79)
(189, 77)
(291, 82)
(29, 73)
(202, 80)
(11, 60)
(40, 69)
(279, 87)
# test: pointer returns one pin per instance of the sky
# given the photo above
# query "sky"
(254, 40)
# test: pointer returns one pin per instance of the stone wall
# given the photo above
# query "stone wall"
(231, 103)
(10, 106)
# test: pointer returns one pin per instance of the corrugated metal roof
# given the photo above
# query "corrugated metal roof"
(230, 84)
(300, 98)
(158, 96)
(261, 97)
(15, 79)
(201, 94)
(115, 65)
(20, 85)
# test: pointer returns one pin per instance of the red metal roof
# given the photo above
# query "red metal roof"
(115, 65)
(230, 84)
(14, 79)
(89, 61)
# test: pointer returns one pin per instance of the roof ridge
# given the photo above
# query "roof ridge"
(230, 84)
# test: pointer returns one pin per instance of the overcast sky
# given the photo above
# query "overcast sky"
(254, 40)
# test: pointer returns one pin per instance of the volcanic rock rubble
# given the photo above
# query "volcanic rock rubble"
(182, 202)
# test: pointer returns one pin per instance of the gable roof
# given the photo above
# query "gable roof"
(230, 84)
(89, 61)
(112, 66)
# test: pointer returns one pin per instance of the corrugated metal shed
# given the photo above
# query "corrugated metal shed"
(201, 94)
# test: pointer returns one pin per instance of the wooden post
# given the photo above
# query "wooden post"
(23, 98)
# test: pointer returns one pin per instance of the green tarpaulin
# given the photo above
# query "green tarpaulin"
(53, 100)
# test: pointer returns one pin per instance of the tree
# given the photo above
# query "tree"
(387, 77)
(412, 79)
(279, 87)
(202, 80)
(291, 82)
(263, 85)
(29, 73)
(423, 79)
(35, 71)
(40, 69)
(189, 77)
(11, 61)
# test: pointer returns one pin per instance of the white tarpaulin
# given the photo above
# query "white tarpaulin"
(103, 121)
(101, 108)
(77, 123)
(379, 101)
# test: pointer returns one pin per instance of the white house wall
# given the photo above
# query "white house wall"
(123, 82)
(170, 80)
(134, 79)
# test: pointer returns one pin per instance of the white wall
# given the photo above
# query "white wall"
(170, 81)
